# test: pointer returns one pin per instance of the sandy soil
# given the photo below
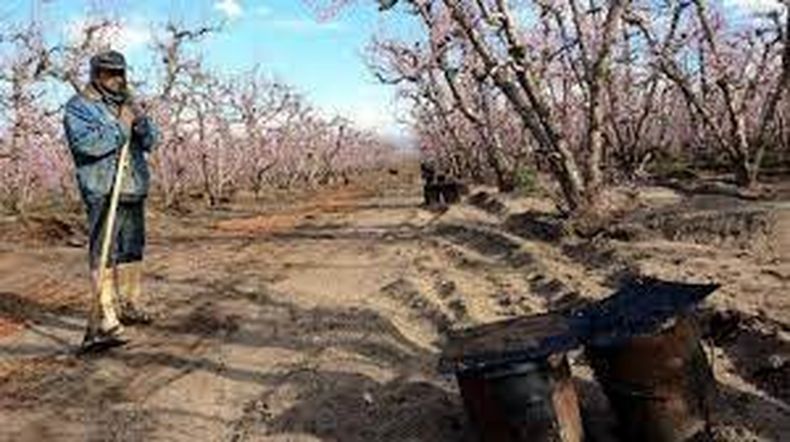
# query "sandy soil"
(322, 319)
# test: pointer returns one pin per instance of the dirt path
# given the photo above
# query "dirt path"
(307, 324)
(318, 321)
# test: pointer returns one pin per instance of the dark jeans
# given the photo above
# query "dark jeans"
(129, 236)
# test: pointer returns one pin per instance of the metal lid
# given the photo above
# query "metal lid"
(641, 306)
(519, 340)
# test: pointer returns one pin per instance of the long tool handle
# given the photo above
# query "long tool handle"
(105, 298)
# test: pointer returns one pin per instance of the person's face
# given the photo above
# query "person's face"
(112, 80)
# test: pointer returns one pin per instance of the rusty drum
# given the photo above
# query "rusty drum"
(660, 385)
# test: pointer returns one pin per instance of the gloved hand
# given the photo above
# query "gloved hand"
(140, 126)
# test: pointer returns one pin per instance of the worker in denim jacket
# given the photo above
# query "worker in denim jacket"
(98, 122)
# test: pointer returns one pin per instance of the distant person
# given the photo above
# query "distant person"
(428, 172)
(431, 194)
(98, 122)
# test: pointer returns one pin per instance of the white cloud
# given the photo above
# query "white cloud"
(231, 8)
(303, 25)
(123, 36)
(379, 119)
(370, 118)
(132, 36)
(755, 5)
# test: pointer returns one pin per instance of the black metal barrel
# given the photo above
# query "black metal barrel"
(432, 194)
(528, 401)
(515, 380)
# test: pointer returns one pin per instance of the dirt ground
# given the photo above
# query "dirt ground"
(321, 318)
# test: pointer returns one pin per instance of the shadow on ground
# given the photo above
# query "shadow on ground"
(336, 405)
(353, 407)
(756, 348)
(21, 309)
(536, 226)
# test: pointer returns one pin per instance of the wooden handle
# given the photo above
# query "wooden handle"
(109, 223)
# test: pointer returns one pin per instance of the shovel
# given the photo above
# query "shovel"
(105, 308)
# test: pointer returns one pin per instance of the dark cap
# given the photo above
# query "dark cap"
(109, 60)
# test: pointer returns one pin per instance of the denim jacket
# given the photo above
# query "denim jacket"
(95, 137)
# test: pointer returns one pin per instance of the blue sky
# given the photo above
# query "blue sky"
(324, 60)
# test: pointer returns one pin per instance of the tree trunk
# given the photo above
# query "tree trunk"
(745, 172)
(567, 173)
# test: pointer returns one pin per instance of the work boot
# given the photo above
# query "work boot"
(129, 278)
(96, 341)
(104, 329)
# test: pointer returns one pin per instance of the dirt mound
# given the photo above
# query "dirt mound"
(748, 227)
(490, 243)
(742, 228)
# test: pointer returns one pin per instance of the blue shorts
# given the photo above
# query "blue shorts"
(129, 237)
